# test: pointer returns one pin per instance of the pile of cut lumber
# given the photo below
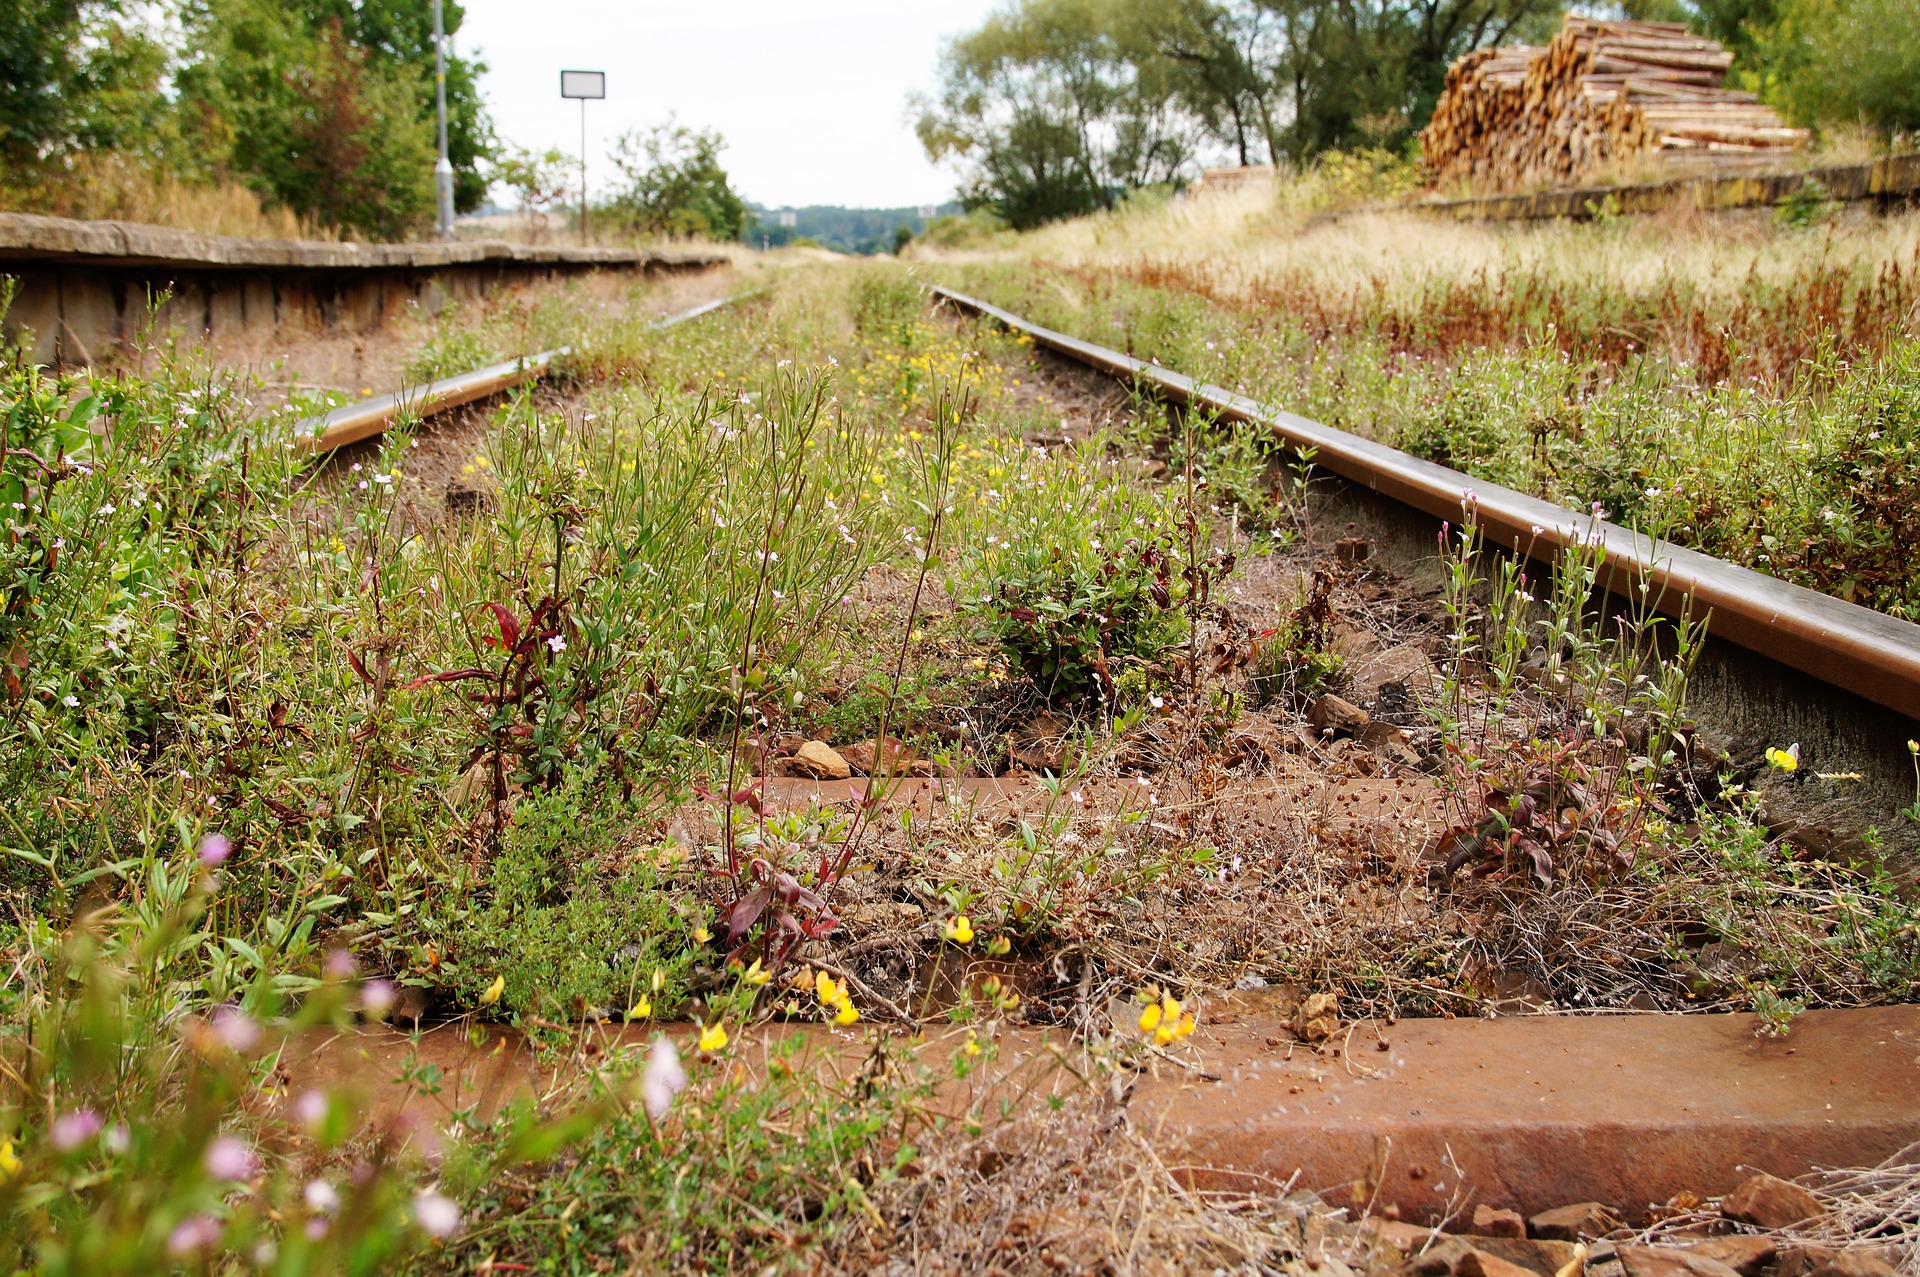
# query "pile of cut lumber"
(1601, 93)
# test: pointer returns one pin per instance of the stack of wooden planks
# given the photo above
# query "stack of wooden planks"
(1602, 92)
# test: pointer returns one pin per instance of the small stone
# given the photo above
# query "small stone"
(1332, 716)
(1745, 1254)
(1395, 744)
(1317, 1018)
(1670, 1261)
(1490, 1221)
(1405, 1238)
(1479, 1263)
(1579, 1222)
(1767, 1201)
(1039, 746)
(899, 759)
(1545, 1259)
(818, 760)
(1825, 1261)
(1440, 1259)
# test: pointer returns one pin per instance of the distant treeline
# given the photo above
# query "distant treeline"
(846, 230)
(1054, 108)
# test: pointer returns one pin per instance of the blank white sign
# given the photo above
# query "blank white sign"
(583, 84)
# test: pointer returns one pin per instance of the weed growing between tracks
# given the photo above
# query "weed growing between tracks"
(281, 739)
(1747, 393)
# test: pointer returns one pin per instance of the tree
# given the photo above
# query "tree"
(1053, 107)
(75, 74)
(674, 184)
(309, 118)
(1839, 62)
(1050, 114)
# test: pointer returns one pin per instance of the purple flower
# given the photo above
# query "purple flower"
(214, 850)
(237, 1029)
(192, 1235)
(376, 997)
(310, 1108)
(228, 1158)
(340, 965)
(322, 1197)
(664, 1078)
(74, 1128)
(437, 1215)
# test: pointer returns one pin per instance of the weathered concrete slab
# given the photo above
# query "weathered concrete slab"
(89, 288)
(1526, 1113)
(1541, 1111)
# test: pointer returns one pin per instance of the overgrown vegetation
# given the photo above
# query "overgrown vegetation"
(508, 727)
(1750, 395)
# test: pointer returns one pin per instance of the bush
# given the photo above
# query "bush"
(578, 919)
(1085, 587)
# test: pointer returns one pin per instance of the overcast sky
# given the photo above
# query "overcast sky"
(811, 95)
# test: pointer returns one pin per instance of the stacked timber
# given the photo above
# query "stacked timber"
(1601, 93)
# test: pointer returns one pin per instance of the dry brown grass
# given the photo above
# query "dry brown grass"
(1241, 240)
(107, 187)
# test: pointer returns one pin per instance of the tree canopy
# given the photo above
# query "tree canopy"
(324, 107)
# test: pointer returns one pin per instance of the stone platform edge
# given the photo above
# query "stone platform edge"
(1890, 177)
(30, 237)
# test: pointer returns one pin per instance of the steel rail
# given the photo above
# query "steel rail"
(1869, 653)
(369, 417)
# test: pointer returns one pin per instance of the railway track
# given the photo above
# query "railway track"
(353, 422)
(1783, 663)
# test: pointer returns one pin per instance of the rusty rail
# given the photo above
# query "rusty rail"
(354, 422)
(1869, 653)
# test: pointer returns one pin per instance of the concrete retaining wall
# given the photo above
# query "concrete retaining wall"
(87, 288)
(1886, 181)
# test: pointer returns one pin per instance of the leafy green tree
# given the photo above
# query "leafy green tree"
(75, 74)
(674, 184)
(311, 119)
(1848, 61)
(1050, 113)
(1054, 107)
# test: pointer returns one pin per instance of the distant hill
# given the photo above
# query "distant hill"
(845, 230)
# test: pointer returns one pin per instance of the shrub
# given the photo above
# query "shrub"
(1084, 587)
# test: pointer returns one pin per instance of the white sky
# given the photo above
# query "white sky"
(811, 95)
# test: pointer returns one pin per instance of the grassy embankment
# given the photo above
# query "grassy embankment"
(1747, 386)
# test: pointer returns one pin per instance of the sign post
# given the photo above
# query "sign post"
(587, 86)
(442, 168)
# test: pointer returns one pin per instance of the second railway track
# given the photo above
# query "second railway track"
(1782, 663)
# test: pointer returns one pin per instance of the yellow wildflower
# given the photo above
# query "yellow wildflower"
(829, 993)
(847, 1014)
(9, 1164)
(972, 1045)
(1787, 760)
(713, 1037)
(756, 974)
(999, 945)
(1150, 1018)
(701, 935)
(960, 930)
(641, 1009)
(493, 991)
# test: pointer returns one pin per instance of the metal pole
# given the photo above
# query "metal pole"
(583, 172)
(443, 168)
